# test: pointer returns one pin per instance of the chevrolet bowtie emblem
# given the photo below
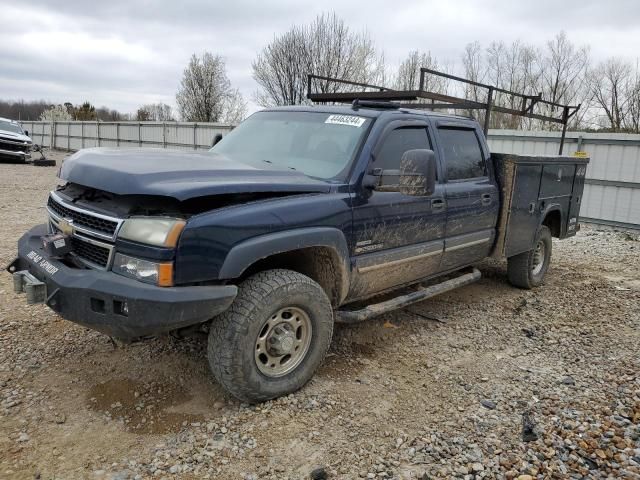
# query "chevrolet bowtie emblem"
(66, 226)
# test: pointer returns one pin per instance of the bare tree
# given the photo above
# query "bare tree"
(557, 71)
(563, 80)
(156, 112)
(326, 47)
(161, 112)
(205, 93)
(109, 115)
(474, 68)
(280, 70)
(615, 89)
(32, 110)
(516, 68)
(408, 75)
(236, 110)
(143, 115)
(564, 70)
(633, 91)
(22, 110)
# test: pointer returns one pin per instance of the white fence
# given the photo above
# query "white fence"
(612, 186)
(77, 135)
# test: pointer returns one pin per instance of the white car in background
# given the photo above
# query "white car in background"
(15, 143)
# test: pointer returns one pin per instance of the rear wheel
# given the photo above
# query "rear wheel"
(527, 270)
(273, 337)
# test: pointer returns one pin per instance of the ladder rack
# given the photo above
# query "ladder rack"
(410, 98)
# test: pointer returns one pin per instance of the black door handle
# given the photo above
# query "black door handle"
(437, 204)
(486, 199)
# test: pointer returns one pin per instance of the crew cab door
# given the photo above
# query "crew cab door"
(471, 194)
(398, 237)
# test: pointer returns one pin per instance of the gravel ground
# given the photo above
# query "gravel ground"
(485, 382)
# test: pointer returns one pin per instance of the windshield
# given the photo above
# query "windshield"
(317, 144)
(10, 127)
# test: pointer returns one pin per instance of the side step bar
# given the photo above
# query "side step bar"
(356, 316)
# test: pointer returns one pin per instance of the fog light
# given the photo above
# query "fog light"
(149, 272)
(120, 307)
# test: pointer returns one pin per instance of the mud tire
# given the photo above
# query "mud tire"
(521, 269)
(233, 334)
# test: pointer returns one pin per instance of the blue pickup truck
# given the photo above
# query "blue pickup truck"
(298, 218)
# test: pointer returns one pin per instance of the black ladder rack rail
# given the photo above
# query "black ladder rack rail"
(406, 97)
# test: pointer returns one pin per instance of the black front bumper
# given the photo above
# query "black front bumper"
(95, 298)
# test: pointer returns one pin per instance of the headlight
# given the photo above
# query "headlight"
(161, 232)
(160, 274)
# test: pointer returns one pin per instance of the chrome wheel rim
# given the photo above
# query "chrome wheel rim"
(538, 258)
(283, 342)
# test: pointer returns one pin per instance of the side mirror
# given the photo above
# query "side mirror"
(26, 132)
(216, 138)
(418, 172)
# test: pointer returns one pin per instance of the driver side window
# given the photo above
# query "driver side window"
(399, 141)
(395, 144)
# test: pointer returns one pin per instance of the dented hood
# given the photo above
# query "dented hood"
(178, 174)
(16, 137)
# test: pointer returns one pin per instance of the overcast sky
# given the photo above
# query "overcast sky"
(124, 53)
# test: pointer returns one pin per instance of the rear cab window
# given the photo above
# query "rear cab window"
(463, 156)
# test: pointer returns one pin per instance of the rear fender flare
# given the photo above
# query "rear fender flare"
(554, 207)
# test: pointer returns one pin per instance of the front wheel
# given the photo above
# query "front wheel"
(527, 270)
(273, 337)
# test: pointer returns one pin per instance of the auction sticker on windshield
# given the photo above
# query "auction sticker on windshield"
(350, 120)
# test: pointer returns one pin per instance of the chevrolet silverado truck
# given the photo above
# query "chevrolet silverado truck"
(298, 218)
(15, 143)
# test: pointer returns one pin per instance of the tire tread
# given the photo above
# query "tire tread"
(226, 329)
(519, 266)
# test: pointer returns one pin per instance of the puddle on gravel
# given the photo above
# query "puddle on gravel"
(148, 408)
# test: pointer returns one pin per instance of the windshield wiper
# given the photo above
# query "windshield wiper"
(271, 163)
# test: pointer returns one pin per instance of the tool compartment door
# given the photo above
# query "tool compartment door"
(524, 215)
(557, 181)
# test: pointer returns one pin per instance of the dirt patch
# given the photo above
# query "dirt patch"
(142, 407)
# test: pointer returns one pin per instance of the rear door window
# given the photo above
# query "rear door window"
(463, 155)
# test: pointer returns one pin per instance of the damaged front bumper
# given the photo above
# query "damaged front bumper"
(15, 155)
(112, 304)
(14, 149)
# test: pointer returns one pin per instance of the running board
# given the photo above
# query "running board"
(356, 316)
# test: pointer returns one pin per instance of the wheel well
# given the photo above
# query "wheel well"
(321, 264)
(553, 221)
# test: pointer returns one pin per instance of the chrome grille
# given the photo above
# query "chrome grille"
(79, 218)
(12, 146)
(90, 252)
(92, 233)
